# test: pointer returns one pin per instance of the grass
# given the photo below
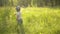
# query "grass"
(35, 20)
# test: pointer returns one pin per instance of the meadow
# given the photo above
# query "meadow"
(41, 20)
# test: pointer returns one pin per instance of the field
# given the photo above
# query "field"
(35, 20)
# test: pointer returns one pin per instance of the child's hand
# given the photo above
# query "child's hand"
(14, 13)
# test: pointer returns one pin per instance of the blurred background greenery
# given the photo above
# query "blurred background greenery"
(39, 16)
(30, 3)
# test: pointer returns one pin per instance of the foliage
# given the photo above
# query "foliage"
(31, 3)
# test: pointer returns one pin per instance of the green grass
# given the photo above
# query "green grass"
(35, 20)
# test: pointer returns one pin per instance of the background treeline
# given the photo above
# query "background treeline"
(31, 3)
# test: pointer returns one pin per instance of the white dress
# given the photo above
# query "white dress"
(18, 15)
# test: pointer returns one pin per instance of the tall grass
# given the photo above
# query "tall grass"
(35, 20)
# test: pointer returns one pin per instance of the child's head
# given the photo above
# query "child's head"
(18, 8)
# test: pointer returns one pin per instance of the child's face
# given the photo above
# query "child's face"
(18, 8)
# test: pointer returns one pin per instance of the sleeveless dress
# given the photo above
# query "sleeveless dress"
(19, 18)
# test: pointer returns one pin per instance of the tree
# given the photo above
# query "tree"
(4, 2)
